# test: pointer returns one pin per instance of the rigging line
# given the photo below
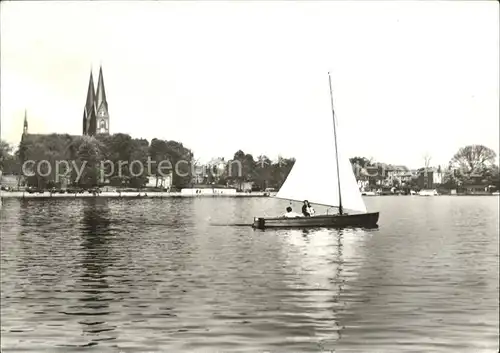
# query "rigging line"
(335, 140)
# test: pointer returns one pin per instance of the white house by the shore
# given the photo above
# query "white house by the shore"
(160, 181)
(207, 191)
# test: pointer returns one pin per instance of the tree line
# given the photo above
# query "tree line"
(243, 168)
(124, 156)
(87, 156)
(473, 164)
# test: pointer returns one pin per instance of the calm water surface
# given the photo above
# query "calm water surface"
(157, 276)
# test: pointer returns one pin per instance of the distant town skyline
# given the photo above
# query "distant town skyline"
(409, 78)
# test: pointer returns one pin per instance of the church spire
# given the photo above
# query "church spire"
(101, 93)
(90, 94)
(89, 113)
(102, 114)
(25, 127)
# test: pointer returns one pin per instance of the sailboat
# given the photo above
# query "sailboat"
(340, 191)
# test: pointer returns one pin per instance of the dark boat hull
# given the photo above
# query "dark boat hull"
(328, 221)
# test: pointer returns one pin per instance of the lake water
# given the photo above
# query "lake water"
(96, 275)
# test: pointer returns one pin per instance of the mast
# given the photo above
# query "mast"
(335, 139)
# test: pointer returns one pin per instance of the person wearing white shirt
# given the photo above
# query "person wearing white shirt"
(290, 214)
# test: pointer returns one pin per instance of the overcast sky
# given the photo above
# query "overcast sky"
(409, 78)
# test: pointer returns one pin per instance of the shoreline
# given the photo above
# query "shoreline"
(108, 194)
(143, 194)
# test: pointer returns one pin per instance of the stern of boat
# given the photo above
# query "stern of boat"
(373, 218)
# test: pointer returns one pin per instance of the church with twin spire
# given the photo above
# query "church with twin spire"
(95, 113)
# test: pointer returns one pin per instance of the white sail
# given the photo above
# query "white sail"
(314, 176)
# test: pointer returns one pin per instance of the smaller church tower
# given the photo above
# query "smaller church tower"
(25, 127)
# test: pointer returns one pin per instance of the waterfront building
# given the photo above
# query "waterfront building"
(429, 178)
(397, 175)
(160, 181)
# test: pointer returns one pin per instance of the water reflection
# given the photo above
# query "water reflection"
(320, 257)
(92, 309)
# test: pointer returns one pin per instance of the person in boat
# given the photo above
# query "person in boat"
(290, 214)
(307, 209)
